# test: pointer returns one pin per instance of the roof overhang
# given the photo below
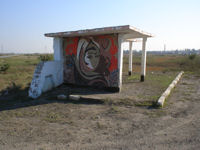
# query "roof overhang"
(128, 31)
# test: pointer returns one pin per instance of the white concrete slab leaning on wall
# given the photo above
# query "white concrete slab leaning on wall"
(47, 75)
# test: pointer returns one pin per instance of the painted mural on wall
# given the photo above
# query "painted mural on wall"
(91, 61)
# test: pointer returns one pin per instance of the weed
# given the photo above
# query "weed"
(95, 117)
(46, 57)
(143, 103)
(4, 66)
(53, 117)
(192, 56)
(114, 109)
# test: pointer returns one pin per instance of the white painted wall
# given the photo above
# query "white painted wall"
(47, 76)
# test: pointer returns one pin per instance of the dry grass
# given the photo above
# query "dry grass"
(20, 71)
(165, 63)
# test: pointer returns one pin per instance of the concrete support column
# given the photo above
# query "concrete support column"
(120, 59)
(59, 54)
(143, 61)
(58, 49)
(130, 58)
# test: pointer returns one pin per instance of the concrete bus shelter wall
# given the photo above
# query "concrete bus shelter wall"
(91, 60)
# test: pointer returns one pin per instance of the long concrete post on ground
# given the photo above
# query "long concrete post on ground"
(120, 59)
(130, 58)
(143, 61)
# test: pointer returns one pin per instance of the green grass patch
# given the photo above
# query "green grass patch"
(162, 80)
(119, 102)
(149, 104)
(134, 77)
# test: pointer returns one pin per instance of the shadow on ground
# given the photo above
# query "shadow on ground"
(15, 97)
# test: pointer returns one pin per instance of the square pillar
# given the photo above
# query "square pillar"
(120, 59)
(143, 61)
(130, 58)
(58, 49)
(59, 54)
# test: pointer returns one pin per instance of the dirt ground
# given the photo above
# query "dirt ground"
(106, 125)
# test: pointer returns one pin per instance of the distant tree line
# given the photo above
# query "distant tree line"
(168, 52)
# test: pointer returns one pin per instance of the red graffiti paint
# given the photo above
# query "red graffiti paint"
(92, 60)
(72, 48)
(114, 63)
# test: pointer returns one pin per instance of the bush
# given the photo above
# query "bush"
(192, 56)
(3, 66)
(190, 63)
(46, 57)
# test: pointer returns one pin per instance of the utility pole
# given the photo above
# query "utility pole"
(164, 47)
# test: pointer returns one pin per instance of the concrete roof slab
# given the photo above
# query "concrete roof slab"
(127, 30)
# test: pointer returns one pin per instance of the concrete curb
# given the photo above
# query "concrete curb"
(163, 97)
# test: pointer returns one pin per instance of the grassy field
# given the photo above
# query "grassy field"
(20, 72)
(166, 63)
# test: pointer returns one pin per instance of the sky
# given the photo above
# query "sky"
(23, 23)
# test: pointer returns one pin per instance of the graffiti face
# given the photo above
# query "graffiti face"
(91, 61)
(92, 55)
